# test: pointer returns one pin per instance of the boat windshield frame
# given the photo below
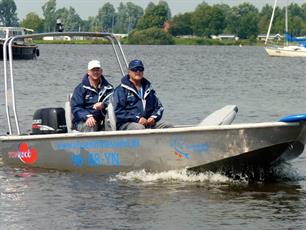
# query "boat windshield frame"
(7, 46)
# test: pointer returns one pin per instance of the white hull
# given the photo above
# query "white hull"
(287, 51)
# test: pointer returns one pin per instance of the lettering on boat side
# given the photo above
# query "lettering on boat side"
(95, 160)
(183, 149)
(99, 144)
(26, 154)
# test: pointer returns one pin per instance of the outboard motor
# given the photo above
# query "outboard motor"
(49, 121)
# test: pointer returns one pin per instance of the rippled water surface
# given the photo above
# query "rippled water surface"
(191, 81)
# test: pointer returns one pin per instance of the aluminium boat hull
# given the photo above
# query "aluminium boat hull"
(195, 148)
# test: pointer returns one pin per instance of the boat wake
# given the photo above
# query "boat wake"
(283, 172)
(183, 175)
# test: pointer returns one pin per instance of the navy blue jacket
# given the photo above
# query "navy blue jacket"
(130, 107)
(84, 97)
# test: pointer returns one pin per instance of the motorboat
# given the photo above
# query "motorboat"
(214, 144)
(288, 50)
(22, 48)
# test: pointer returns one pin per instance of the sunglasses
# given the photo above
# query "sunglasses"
(136, 69)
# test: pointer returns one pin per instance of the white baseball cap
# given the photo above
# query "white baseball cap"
(94, 64)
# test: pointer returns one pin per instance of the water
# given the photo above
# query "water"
(192, 81)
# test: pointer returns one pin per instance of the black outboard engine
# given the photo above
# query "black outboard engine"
(49, 121)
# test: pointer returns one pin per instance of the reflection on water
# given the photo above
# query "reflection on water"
(192, 81)
(146, 200)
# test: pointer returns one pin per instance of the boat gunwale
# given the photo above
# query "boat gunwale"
(128, 133)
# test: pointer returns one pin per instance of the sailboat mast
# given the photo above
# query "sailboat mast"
(271, 21)
(286, 22)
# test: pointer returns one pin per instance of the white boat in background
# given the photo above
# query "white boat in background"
(215, 144)
(288, 50)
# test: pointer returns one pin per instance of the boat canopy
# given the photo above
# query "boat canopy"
(291, 38)
(6, 32)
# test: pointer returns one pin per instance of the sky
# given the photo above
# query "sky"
(86, 8)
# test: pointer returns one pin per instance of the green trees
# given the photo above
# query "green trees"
(127, 17)
(150, 36)
(149, 29)
(208, 20)
(181, 25)
(8, 15)
(106, 17)
(154, 16)
(244, 20)
(70, 19)
(49, 9)
(32, 21)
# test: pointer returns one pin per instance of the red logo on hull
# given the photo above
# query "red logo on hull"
(27, 155)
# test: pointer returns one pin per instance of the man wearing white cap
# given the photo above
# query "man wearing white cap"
(90, 99)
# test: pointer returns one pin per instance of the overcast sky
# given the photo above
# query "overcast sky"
(86, 8)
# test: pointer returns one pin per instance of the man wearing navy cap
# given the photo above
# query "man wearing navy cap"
(135, 103)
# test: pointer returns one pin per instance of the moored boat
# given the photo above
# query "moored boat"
(214, 144)
(22, 48)
(288, 50)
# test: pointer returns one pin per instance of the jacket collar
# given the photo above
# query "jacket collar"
(144, 82)
(103, 85)
(85, 81)
(146, 85)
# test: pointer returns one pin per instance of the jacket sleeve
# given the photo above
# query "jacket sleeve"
(159, 109)
(119, 104)
(77, 105)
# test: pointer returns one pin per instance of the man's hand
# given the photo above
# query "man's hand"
(91, 122)
(151, 122)
(143, 121)
(98, 106)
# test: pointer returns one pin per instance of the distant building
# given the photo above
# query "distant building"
(262, 37)
(119, 36)
(68, 38)
(62, 38)
(225, 37)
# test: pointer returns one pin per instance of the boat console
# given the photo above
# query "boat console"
(223, 116)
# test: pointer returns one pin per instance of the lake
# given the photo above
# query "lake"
(191, 81)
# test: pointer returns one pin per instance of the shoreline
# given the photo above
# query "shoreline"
(178, 41)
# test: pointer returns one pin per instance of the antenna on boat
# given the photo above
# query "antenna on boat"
(286, 22)
(271, 21)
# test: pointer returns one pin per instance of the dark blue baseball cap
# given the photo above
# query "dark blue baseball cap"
(136, 64)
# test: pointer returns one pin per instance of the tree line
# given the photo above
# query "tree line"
(244, 20)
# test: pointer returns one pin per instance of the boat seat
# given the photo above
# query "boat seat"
(68, 113)
(110, 118)
(223, 116)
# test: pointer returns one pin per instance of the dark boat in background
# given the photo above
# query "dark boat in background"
(22, 49)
